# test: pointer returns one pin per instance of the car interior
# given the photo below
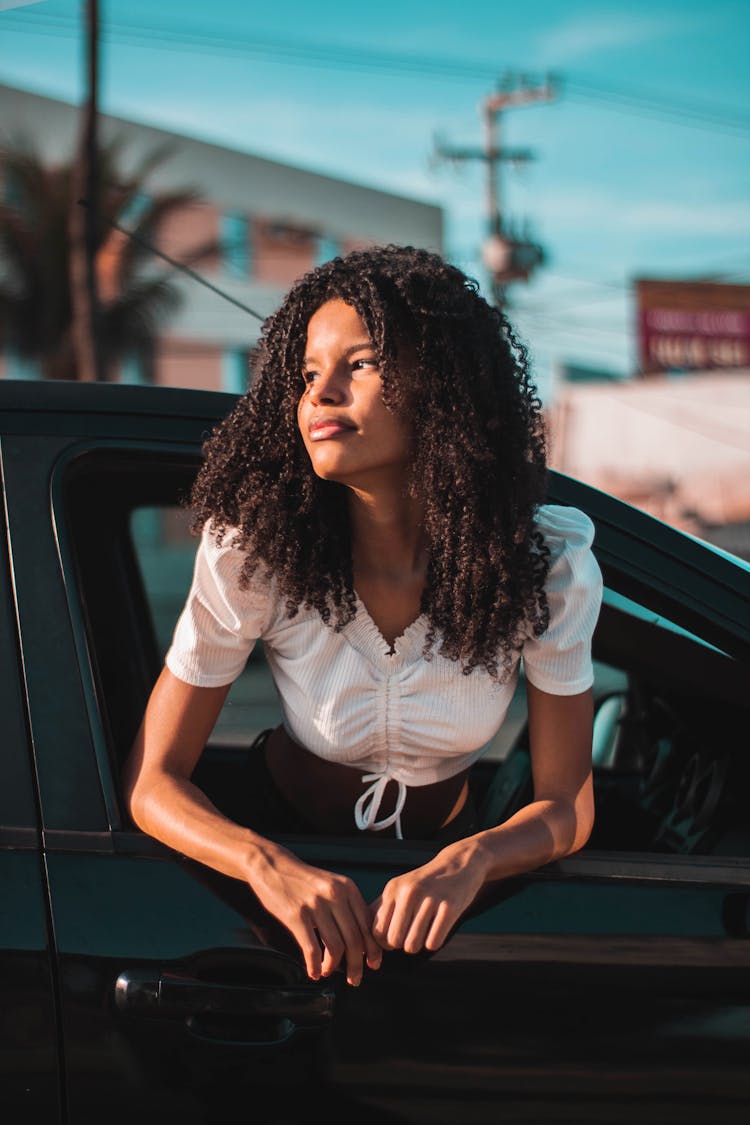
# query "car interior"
(669, 755)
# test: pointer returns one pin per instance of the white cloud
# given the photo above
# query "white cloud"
(581, 37)
(702, 219)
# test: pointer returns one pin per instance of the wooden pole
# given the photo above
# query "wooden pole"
(83, 219)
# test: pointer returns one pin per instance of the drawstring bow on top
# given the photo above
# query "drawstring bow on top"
(368, 805)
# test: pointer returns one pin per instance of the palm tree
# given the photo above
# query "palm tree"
(136, 294)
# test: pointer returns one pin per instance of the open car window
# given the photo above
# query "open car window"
(165, 550)
(670, 770)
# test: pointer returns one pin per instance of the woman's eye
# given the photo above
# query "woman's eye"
(361, 364)
(308, 377)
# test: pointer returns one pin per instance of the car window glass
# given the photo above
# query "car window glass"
(165, 549)
(627, 605)
(669, 769)
(668, 766)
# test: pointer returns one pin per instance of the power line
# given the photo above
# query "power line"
(355, 56)
(180, 266)
(692, 113)
(718, 266)
(581, 329)
(551, 306)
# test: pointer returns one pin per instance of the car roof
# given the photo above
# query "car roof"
(72, 396)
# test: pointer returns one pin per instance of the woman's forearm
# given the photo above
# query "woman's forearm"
(539, 833)
(560, 818)
(162, 800)
(324, 911)
(179, 814)
(418, 909)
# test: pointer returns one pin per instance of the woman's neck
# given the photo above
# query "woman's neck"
(388, 539)
(389, 560)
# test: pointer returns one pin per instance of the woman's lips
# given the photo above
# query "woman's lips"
(326, 428)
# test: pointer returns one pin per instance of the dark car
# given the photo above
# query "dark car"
(137, 986)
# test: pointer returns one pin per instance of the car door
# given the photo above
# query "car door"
(614, 980)
(29, 1066)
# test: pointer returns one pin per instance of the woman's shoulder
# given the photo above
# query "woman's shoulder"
(221, 559)
(564, 526)
(559, 659)
(569, 535)
(217, 540)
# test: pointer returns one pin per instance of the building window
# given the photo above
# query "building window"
(133, 369)
(11, 194)
(19, 367)
(235, 370)
(235, 244)
(134, 210)
(326, 249)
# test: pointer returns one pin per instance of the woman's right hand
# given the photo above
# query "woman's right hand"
(324, 912)
(315, 906)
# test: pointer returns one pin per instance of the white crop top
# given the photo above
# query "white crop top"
(347, 698)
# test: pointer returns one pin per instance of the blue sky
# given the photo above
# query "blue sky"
(641, 162)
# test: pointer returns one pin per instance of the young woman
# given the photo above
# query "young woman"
(372, 510)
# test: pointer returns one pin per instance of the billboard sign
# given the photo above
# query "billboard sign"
(692, 326)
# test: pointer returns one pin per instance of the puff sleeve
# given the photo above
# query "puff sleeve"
(559, 661)
(219, 623)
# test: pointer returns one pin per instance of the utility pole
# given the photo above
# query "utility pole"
(84, 220)
(506, 256)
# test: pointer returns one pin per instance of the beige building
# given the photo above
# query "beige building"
(272, 221)
(674, 440)
(677, 446)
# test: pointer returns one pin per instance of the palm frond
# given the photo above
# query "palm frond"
(135, 318)
(143, 233)
(35, 291)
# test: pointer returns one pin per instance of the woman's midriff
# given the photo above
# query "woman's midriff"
(325, 793)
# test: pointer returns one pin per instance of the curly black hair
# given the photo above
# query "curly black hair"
(478, 456)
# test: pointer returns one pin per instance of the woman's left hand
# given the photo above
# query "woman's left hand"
(418, 909)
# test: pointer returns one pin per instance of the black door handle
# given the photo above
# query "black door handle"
(175, 997)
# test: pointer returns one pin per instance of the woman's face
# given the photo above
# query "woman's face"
(349, 433)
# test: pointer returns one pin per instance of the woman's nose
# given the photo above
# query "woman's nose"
(328, 386)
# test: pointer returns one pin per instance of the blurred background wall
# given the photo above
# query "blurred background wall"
(271, 222)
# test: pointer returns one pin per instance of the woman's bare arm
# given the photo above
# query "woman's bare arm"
(417, 910)
(165, 803)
